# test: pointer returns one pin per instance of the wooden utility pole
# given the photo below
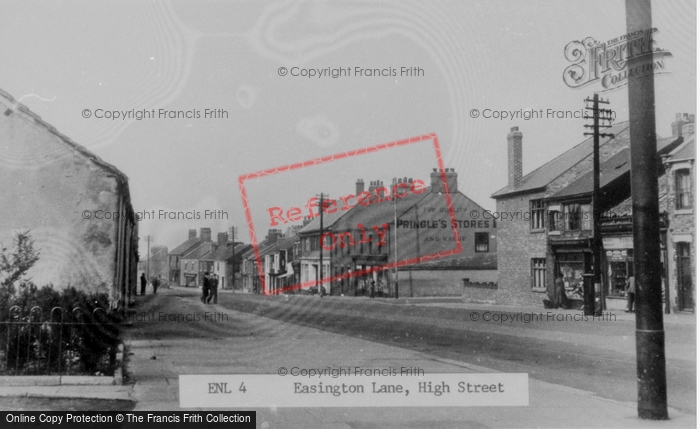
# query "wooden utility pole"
(320, 246)
(589, 293)
(651, 355)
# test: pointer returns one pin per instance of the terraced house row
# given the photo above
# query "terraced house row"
(408, 245)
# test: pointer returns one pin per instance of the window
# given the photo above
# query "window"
(572, 217)
(586, 217)
(307, 244)
(538, 273)
(683, 189)
(554, 217)
(481, 241)
(537, 217)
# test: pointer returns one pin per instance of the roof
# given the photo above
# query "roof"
(616, 166)
(379, 212)
(17, 106)
(221, 253)
(544, 175)
(625, 207)
(199, 251)
(684, 151)
(186, 246)
(328, 220)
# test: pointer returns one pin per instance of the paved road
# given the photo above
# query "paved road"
(260, 334)
(597, 356)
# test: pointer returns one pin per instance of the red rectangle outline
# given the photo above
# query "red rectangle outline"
(270, 171)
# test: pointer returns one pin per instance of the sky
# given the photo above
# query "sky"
(63, 57)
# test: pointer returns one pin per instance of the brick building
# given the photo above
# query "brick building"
(547, 229)
(680, 179)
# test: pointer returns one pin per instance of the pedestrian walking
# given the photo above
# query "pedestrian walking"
(213, 289)
(205, 287)
(143, 284)
(372, 288)
(156, 282)
(631, 290)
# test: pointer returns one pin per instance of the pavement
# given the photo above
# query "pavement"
(248, 344)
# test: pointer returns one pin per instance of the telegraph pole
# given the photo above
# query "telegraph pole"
(589, 307)
(396, 248)
(148, 258)
(320, 246)
(651, 355)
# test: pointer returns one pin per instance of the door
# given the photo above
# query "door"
(685, 279)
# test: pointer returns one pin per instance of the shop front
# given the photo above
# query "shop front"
(619, 265)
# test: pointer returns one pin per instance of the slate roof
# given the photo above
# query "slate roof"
(616, 166)
(625, 207)
(186, 246)
(199, 251)
(685, 151)
(544, 175)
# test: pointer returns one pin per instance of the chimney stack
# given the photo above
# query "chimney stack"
(359, 187)
(680, 128)
(273, 235)
(205, 234)
(515, 157)
(436, 180)
(192, 234)
(222, 238)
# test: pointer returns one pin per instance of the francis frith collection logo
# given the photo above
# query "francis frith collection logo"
(614, 62)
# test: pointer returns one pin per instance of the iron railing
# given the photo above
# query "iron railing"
(67, 342)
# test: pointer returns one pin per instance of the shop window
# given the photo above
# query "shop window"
(537, 214)
(570, 269)
(538, 267)
(683, 191)
(481, 241)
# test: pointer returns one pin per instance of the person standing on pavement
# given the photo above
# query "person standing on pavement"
(143, 284)
(561, 300)
(630, 294)
(205, 287)
(372, 287)
(213, 289)
(156, 282)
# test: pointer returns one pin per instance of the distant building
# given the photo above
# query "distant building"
(175, 256)
(191, 271)
(156, 265)
(77, 207)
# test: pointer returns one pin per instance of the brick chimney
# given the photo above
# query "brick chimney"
(515, 157)
(307, 220)
(192, 234)
(359, 186)
(221, 238)
(205, 234)
(436, 180)
(679, 128)
(273, 235)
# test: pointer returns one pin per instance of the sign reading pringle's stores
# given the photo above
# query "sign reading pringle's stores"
(614, 62)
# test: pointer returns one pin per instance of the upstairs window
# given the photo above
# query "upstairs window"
(683, 191)
(572, 217)
(537, 214)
